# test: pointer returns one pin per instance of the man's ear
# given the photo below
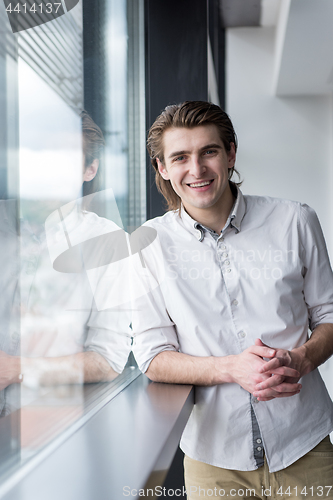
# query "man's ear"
(232, 155)
(162, 170)
(91, 171)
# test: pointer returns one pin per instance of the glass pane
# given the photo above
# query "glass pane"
(73, 182)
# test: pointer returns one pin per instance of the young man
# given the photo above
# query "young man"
(244, 278)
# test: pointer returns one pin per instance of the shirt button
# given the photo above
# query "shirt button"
(259, 441)
(235, 302)
(255, 400)
(229, 270)
(227, 262)
(223, 247)
(224, 254)
(242, 335)
(259, 448)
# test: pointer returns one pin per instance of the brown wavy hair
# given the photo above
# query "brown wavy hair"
(93, 146)
(188, 114)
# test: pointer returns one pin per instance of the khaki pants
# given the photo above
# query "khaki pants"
(309, 477)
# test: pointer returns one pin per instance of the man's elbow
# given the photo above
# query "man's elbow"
(151, 374)
(154, 371)
(161, 368)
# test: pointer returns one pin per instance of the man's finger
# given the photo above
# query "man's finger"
(285, 371)
(279, 391)
(277, 379)
(287, 387)
(278, 395)
(263, 352)
(271, 365)
(270, 382)
(273, 381)
(276, 362)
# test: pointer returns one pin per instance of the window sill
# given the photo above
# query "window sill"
(128, 444)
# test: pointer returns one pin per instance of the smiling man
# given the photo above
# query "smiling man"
(244, 278)
(197, 165)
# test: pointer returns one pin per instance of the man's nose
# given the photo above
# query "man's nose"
(197, 167)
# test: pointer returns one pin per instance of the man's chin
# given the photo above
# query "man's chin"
(198, 205)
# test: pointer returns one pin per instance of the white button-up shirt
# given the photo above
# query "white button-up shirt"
(266, 276)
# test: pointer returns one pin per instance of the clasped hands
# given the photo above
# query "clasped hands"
(268, 373)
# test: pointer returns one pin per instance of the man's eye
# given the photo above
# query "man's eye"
(210, 152)
(180, 158)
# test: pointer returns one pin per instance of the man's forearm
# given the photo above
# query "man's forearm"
(316, 350)
(242, 369)
(178, 368)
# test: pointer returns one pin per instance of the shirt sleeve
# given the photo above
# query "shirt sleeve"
(317, 271)
(109, 338)
(153, 329)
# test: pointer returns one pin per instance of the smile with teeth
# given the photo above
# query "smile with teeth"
(200, 184)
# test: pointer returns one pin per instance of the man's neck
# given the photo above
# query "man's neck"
(214, 217)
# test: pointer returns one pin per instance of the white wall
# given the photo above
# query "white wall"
(285, 143)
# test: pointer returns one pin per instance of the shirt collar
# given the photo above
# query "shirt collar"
(238, 210)
(235, 217)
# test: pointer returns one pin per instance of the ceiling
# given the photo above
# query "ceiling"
(239, 13)
(304, 40)
(304, 56)
(236, 13)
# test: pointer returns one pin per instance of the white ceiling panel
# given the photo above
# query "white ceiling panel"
(304, 56)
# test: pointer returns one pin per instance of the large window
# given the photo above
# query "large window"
(72, 172)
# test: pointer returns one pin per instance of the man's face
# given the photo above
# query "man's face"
(197, 164)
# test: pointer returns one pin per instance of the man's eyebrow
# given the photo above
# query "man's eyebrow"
(178, 153)
(211, 146)
(207, 146)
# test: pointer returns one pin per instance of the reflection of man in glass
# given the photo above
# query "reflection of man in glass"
(65, 337)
